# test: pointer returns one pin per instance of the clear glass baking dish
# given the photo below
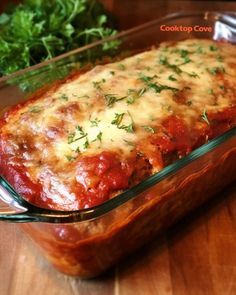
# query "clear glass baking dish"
(87, 242)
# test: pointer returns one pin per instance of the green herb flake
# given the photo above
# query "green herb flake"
(121, 67)
(77, 150)
(128, 128)
(210, 91)
(216, 70)
(111, 99)
(187, 60)
(70, 158)
(86, 144)
(99, 136)
(149, 129)
(220, 58)
(141, 91)
(166, 107)
(35, 109)
(118, 120)
(72, 136)
(213, 48)
(94, 123)
(183, 53)
(199, 49)
(193, 75)
(133, 95)
(82, 96)
(155, 86)
(130, 143)
(204, 117)
(172, 78)
(112, 73)
(98, 84)
(222, 87)
(64, 97)
(163, 60)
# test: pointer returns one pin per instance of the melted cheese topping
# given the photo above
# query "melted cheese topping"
(114, 106)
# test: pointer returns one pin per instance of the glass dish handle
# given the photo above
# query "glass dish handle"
(8, 205)
(14, 208)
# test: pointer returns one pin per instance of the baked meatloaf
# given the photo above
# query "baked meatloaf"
(98, 133)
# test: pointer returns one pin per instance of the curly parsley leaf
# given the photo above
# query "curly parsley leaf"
(38, 30)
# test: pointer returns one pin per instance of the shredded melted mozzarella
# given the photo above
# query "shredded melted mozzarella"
(113, 106)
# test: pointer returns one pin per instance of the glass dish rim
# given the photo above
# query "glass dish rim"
(36, 214)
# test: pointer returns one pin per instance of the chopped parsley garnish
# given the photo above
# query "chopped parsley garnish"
(222, 87)
(176, 68)
(133, 94)
(149, 129)
(199, 50)
(163, 61)
(64, 97)
(121, 67)
(77, 150)
(166, 107)
(35, 109)
(82, 96)
(141, 91)
(210, 91)
(155, 86)
(112, 98)
(112, 73)
(213, 48)
(86, 143)
(70, 158)
(194, 75)
(72, 136)
(129, 142)
(172, 78)
(99, 136)
(186, 60)
(183, 53)
(97, 84)
(128, 128)
(118, 120)
(94, 123)
(204, 117)
(220, 58)
(216, 70)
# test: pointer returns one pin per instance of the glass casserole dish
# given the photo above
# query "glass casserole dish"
(87, 242)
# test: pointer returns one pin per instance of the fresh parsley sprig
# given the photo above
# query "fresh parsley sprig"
(204, 117)
(118, 121)
(38, 30)
(148, 80)
(72, 136)
(111, 99)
